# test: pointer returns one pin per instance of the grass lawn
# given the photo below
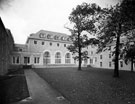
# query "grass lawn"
(91, 85)
(14, 88)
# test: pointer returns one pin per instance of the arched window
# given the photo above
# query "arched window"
(67, 58)
(46, 58)
(58, 58)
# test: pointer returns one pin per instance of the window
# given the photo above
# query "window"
(36, 60)
(100, 56)
(50, 44)
(67, 58)
(58, 44)
(110, 64)
(16, 60)
(35, 42)
(95, 59)
(121, 63)
(100, 64)
(91, 61)
(109, 55)
(47, 58)
(43, 43)
(26, 60)
(58, 58)
(64, 45)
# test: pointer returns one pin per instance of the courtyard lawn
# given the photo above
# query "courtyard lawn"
(91, 85)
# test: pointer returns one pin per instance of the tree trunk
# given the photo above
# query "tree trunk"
(116, 69)
(80, 60)
(131, 64)
(79, 52)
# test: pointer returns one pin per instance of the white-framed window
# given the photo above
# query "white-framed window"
(26, 60)
(36, 60)
(47, 58)
(67, 58)
(58, 58)
(101, 57)
(15, 59)
(110, 55)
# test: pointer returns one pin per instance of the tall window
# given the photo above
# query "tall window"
(26, 60)
(109, 55)
(36, 60)
(100, 56)
(110, 64)
(46, 58)
(58, 58)
(15, 60)
(91, 61)
(100, 64)
(121, 63)
(67, 58)
(43, 43)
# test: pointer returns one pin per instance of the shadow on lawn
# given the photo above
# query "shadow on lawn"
(13, 87)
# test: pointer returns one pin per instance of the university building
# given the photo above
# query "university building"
(49, 49)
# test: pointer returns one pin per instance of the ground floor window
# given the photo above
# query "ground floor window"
(26, 60)
(15, 59)
(121, 63)
(58, 58)
(67, 58)
(100, 64)
(91, 61)
(110, 64)
(85, 61)
(36, 60)
(47, 58)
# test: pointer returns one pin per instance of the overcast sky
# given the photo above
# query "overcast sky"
(24, 17)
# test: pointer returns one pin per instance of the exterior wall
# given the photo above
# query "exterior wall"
(6, 47)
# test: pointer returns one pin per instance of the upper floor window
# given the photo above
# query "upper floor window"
(43, 43)
(50, 44)
(35, 42)
(91, 52)
(64, 45)
(58, 44)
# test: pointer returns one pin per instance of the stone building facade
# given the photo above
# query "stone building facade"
(6, 48)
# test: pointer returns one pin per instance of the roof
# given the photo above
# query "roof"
(49, 35)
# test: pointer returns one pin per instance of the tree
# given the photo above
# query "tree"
(114, 23)
(82, 19)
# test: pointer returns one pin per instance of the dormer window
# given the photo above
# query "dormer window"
(48, 36)
(56, 37)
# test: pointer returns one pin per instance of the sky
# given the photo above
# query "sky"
(24, 17)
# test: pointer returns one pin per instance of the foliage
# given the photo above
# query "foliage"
(82, 18)
(114, 23)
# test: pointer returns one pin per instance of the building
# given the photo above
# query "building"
(43, 49)
(6, 48)
(49, 49)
